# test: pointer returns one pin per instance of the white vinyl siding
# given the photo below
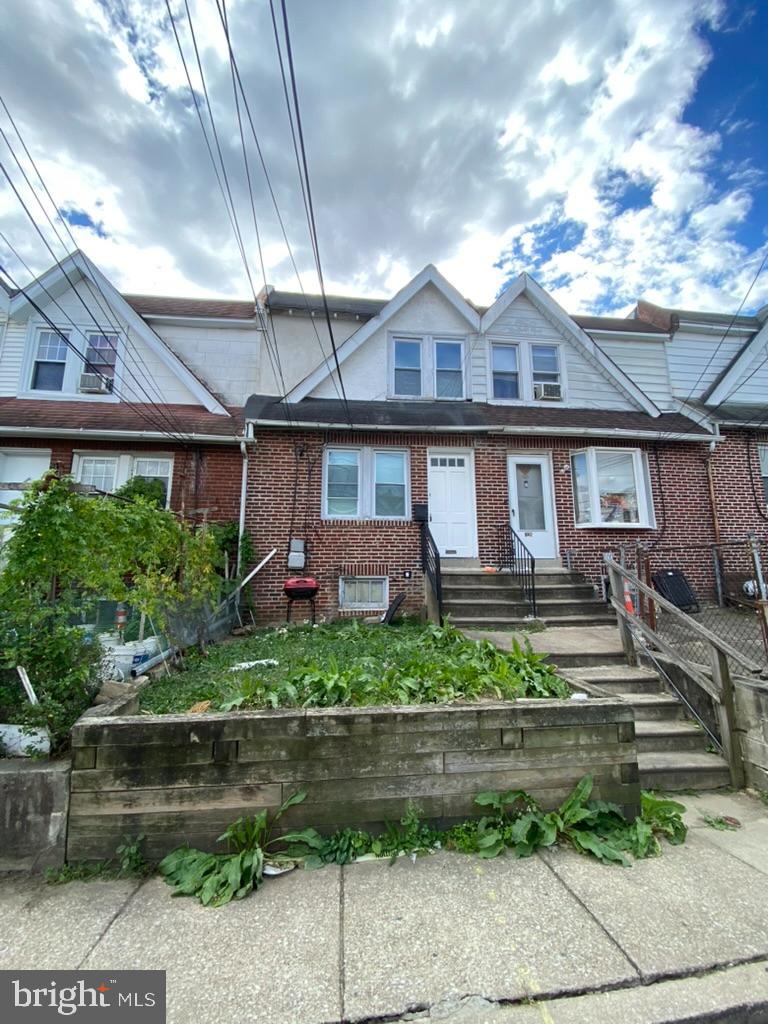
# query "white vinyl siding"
(366, 483)
(645, 362)
(688, 355)
(611, 488)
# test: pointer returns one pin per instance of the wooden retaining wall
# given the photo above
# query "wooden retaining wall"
(184, 778)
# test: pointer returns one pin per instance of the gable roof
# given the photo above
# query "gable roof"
(56, 280)
(429, 275)
(546, 305)
(727, 381)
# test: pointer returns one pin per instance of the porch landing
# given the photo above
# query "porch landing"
(672, 751)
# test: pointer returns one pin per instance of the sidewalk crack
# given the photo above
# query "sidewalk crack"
(110, 922)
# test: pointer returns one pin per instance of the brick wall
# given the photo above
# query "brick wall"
(203, 477)
(740, 499)
(183, 778)
(285, 499)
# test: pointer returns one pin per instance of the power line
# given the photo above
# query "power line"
(114, 323)
(273, 197)
(312, 223)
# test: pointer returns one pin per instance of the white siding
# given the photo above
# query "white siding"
(688, 355)
(645, 363)
(753, 383)
(366, 371)
(12, 357)
(587, 386)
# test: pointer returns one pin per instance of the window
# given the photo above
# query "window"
(18, 466)
(101, 355)
(545, 370)
(407, 367)
(505, 371)
(449, 377)
(427, 367)
(369, 593)
(50, 361)
(763, 450)
(155, 469)
(97, 472)
(611, 487)
(108, 472)
(366, 483)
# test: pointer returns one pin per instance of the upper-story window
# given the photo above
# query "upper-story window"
(525, 372)
(73, 362)
(427, 366)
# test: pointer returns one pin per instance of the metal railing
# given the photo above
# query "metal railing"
(515, 557)
(430, 565)
(715, 678)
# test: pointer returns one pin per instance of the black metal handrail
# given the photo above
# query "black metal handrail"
(430, 565)
(515, 556)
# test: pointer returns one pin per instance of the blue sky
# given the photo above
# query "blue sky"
(614, 149)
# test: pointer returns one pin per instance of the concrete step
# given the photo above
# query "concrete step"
(476, 577)
(619, 679)
(462, 592)
(669, 737)
(516, 622)
(655, 706)
(673, 772)
(489, 607)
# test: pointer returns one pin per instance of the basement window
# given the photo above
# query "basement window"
(364, 593)
(611, 488)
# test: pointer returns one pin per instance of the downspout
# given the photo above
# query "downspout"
(712, 499)
(243, 493)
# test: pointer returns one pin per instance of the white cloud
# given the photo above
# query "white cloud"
(444, 131)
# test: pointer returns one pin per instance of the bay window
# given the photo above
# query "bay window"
(365, 483)
(611, 488)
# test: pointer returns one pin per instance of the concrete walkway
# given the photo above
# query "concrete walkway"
(557, 938)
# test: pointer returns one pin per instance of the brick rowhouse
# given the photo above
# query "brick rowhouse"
(285, 501)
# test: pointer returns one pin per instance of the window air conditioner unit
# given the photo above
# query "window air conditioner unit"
(547, 392)
(94, 384)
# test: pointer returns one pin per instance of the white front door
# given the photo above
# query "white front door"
(530, 503)
(451, 482)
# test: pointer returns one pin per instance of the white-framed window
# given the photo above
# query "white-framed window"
(611, 488)
(505, 370)
(50, 361)
(108, 471)
(366, 483)
(18, 466)
(763, 453)
(71, 361)
(407, 367)
(545, 372)
(427, 366)
(364, 593)
(522, 371)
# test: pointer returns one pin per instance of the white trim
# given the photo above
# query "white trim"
(57, 276)
(127, 435)
(366, 483)
(547, 459)
(547, 306)
(525, 373)
(429, 275)
(645, 507)
(77, 333)
(124, 464)
(363, 607)
(469, 454)
(730, 379)
(428, 364)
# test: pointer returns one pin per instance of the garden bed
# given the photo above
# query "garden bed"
(352, 664)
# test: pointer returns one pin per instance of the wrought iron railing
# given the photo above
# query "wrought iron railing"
(515, 557)
(430, 565)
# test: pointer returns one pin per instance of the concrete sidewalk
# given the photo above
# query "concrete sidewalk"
(557, 938)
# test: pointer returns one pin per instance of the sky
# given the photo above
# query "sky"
(613, 149)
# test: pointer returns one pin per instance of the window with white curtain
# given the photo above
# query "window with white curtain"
(611, 488)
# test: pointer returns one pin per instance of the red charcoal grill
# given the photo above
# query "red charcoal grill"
(301, 588)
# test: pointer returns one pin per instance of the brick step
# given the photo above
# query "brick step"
(669, 737)
(624, 679)
(546, 610)
(673, 772)
(462, 592)
(655, 706)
